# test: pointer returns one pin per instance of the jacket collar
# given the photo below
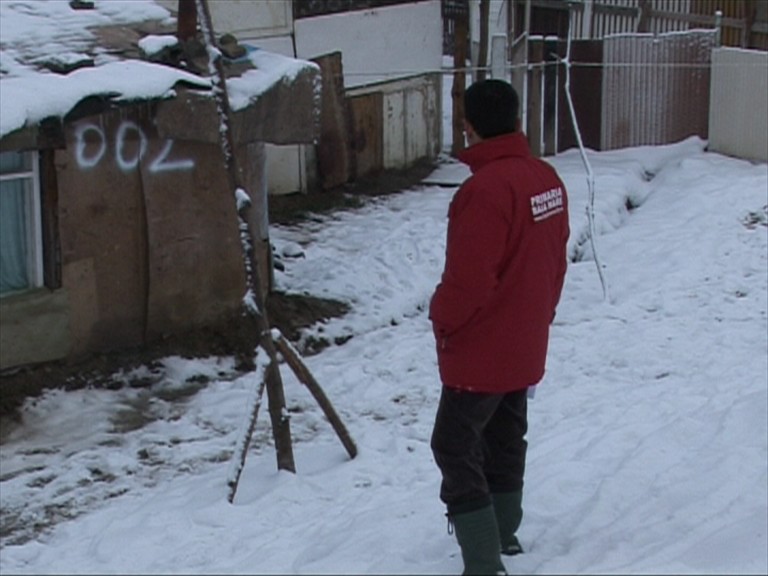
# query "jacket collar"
(485, 151)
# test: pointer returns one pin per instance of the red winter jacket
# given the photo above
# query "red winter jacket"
(504, 269)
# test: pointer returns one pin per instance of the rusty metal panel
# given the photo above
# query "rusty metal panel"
(738, 119)
(367, 132)
(655, 88)
(333, 157)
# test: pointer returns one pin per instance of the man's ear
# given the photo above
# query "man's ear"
(470, 134)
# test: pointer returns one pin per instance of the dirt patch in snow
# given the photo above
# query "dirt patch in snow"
(233, 336)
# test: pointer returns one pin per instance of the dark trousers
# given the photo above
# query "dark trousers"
(479, 445)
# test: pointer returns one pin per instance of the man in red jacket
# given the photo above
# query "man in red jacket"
(504, 270)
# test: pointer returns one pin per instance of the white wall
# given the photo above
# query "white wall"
(249, 19)
(377, 44)
(246, 18)
(738, 107)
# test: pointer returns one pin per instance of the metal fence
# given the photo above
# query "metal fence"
(655, 87)
(628, 89)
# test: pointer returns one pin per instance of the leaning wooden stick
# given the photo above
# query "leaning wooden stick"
(254, 299)
(246, 433)
(267, 371)
(293, 359)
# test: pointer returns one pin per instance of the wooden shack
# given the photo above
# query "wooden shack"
(127, 230)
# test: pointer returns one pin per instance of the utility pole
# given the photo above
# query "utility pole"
(482, 54)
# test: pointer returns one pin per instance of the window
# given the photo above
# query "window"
(21, 254)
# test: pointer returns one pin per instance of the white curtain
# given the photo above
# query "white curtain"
(13, 225)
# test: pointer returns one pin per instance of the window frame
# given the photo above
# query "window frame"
(34, 209)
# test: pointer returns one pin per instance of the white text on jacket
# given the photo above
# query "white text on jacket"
(547, 204)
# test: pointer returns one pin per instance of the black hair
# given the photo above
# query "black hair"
(491, 107)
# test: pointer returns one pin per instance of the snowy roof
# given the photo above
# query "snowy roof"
(52, 56)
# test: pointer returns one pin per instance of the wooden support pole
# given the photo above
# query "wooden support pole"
(459, 83)
(482, 53)
(291, 356)
(186, 21)
(749, 10)
(255, 299)
(268, 371)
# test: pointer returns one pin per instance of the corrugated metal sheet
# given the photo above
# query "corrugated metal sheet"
(661, 25)
(655, 88)
(738, 119)
(609, 18)
(731, 9)
(600, 18)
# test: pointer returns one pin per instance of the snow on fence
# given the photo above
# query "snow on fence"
(738, 113)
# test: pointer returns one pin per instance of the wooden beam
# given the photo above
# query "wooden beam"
(305, 377)
(642, 23)
(750, 14)
(255, 301)
(459, 84)
(186, 20)
(482, 55)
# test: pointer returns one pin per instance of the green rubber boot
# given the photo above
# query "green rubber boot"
(508, 507)
(478, 538)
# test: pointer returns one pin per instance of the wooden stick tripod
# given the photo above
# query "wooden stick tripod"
(270, 340)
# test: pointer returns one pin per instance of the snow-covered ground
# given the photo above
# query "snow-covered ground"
(648, 436)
